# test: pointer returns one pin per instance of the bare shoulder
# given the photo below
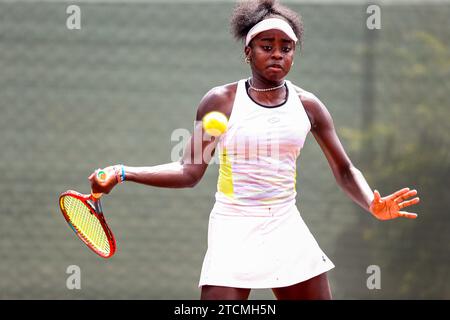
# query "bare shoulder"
(219, 98)
(308, 99)
(317, 112)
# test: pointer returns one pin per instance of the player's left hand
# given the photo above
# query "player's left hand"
(386, 208)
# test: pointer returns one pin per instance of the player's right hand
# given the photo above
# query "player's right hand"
(103, 186)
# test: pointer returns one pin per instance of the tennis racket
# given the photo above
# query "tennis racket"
(84, 214)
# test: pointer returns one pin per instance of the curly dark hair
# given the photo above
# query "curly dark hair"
(248, 13)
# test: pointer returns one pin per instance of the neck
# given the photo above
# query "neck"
(264, 86)
(262, 83)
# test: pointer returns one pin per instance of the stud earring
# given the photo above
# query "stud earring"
(247, 59)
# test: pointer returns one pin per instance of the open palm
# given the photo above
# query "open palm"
(386, 208)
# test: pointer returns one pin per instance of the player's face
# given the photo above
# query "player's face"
(271, 53)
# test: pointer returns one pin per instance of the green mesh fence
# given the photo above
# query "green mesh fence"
(114, 91)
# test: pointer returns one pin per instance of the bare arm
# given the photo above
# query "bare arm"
(348, 177)
(187, 171)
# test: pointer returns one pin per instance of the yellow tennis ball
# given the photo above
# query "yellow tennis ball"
(215, 123)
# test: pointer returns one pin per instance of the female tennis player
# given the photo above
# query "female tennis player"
(256, 236)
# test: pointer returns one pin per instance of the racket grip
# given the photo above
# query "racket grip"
(102, 176)
(96, 196)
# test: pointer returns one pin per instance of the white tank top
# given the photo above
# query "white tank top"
(259, 150)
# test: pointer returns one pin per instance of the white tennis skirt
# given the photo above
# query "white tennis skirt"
(260, 248)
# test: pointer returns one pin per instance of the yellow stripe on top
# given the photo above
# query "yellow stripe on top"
(295, 179)
(225, 182)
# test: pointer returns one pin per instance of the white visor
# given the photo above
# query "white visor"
(269, 24)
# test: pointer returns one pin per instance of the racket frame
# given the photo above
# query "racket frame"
(95, 207)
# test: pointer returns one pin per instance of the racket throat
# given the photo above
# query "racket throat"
(95, 205)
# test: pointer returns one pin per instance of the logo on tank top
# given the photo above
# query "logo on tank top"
(273, 120)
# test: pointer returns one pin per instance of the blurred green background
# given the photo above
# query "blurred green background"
(113, 92)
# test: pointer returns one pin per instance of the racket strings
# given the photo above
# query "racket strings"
(87, 224)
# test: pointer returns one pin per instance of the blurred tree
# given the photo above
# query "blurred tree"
(409, 144)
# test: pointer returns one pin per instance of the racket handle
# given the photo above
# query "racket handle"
(102, 176)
